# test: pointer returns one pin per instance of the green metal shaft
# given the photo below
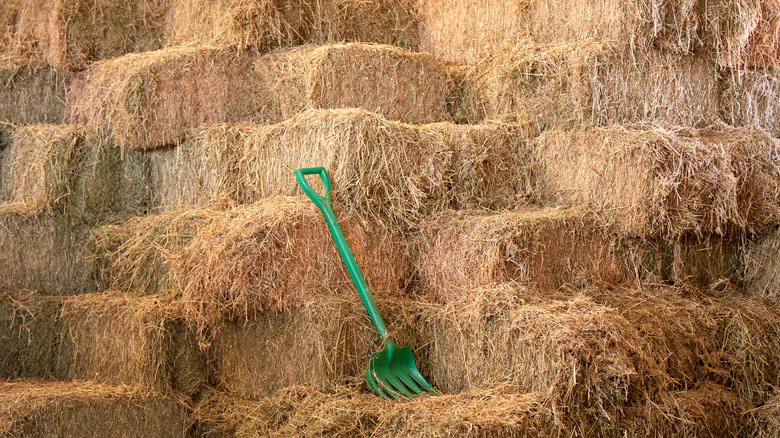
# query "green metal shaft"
(324, 204)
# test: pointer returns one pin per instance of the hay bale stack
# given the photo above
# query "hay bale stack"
(69, 34)
(304, 411)
(589, 82)
(111, 338)
(650, 182)
(707, 409)
(750, 97)
(151, 99)
(399, 85)
(267, 24)
(274, 256)
(458, 251)
(52, 409)
(30, 93)
(762, 266)
(390, 170)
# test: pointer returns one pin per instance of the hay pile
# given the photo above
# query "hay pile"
(31, 93)
(750, 97)
(457, 251)
(655, 181)
(268, 24)
(69, 34)
(345, 412)
(52, 409)
(762, 266)
(399, 85)
(766, 418)
(111, 338)
(275, 255)
(389, 170)
(151, 99)
(589, 82)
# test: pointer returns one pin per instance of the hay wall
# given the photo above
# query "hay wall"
(69, 34)
(458, 251)
(662, 182)
(267, 24)
(51, 409)
(109, 338)
(392, 171)
(589, 82)
(762, 266)
(400, 85)
(31, 93)
(151, 99)
(304, 411)
(750, 97)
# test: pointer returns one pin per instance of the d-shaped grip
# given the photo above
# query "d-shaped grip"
(321, 201)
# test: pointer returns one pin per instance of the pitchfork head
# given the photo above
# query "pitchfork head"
(393, 373)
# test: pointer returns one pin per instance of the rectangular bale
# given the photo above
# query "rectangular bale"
(149, 100)
(110, 338)
(589, 82)
(81, 409)
(69, 34)
(458, 251)
(750, 97)
(399, 85)
(267, 24)
(389, 170)
(345, 411)
(31, 93)
(655, 181)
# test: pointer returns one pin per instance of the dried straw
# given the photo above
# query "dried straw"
(762, 266)
(31, 93)
(750, 97)
(766, 418)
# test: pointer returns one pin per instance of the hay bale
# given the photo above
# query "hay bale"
(275, 255)
(762, 266)
(111, 338)
(69, 34)
(750, 97)
(304, 411)
(589, 82)
(269, 24)
(43, 253)
(745, 33)
(766, 418)
(708, 409)
(650, 182)
(151, 99)
(50, 409)
(31, 93)
(389, 170)
(399, 85)
(458, 251)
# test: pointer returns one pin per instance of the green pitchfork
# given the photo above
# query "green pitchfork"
(391, 371)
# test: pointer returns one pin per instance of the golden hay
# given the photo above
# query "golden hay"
(751, 98)
(111, 338)
(267, 24)
(399, 85)
(461, 250)
(304, 411)
(762, 266)
(589, 82)
(69, 34)
(151, 99)
(273, 256)
(387, 170)
(54, 409)
(651, 182)
(31, 93)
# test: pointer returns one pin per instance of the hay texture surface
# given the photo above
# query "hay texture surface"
(69, 34)
(391, 171)
(750, 97)
(51, 409)
(589, 82)
(458, 251)
(766, 418)
(663, 182)
(267, 24)
(110, 338)
(345, 412)
(150, 99)
(762, 266)
(400, 85)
